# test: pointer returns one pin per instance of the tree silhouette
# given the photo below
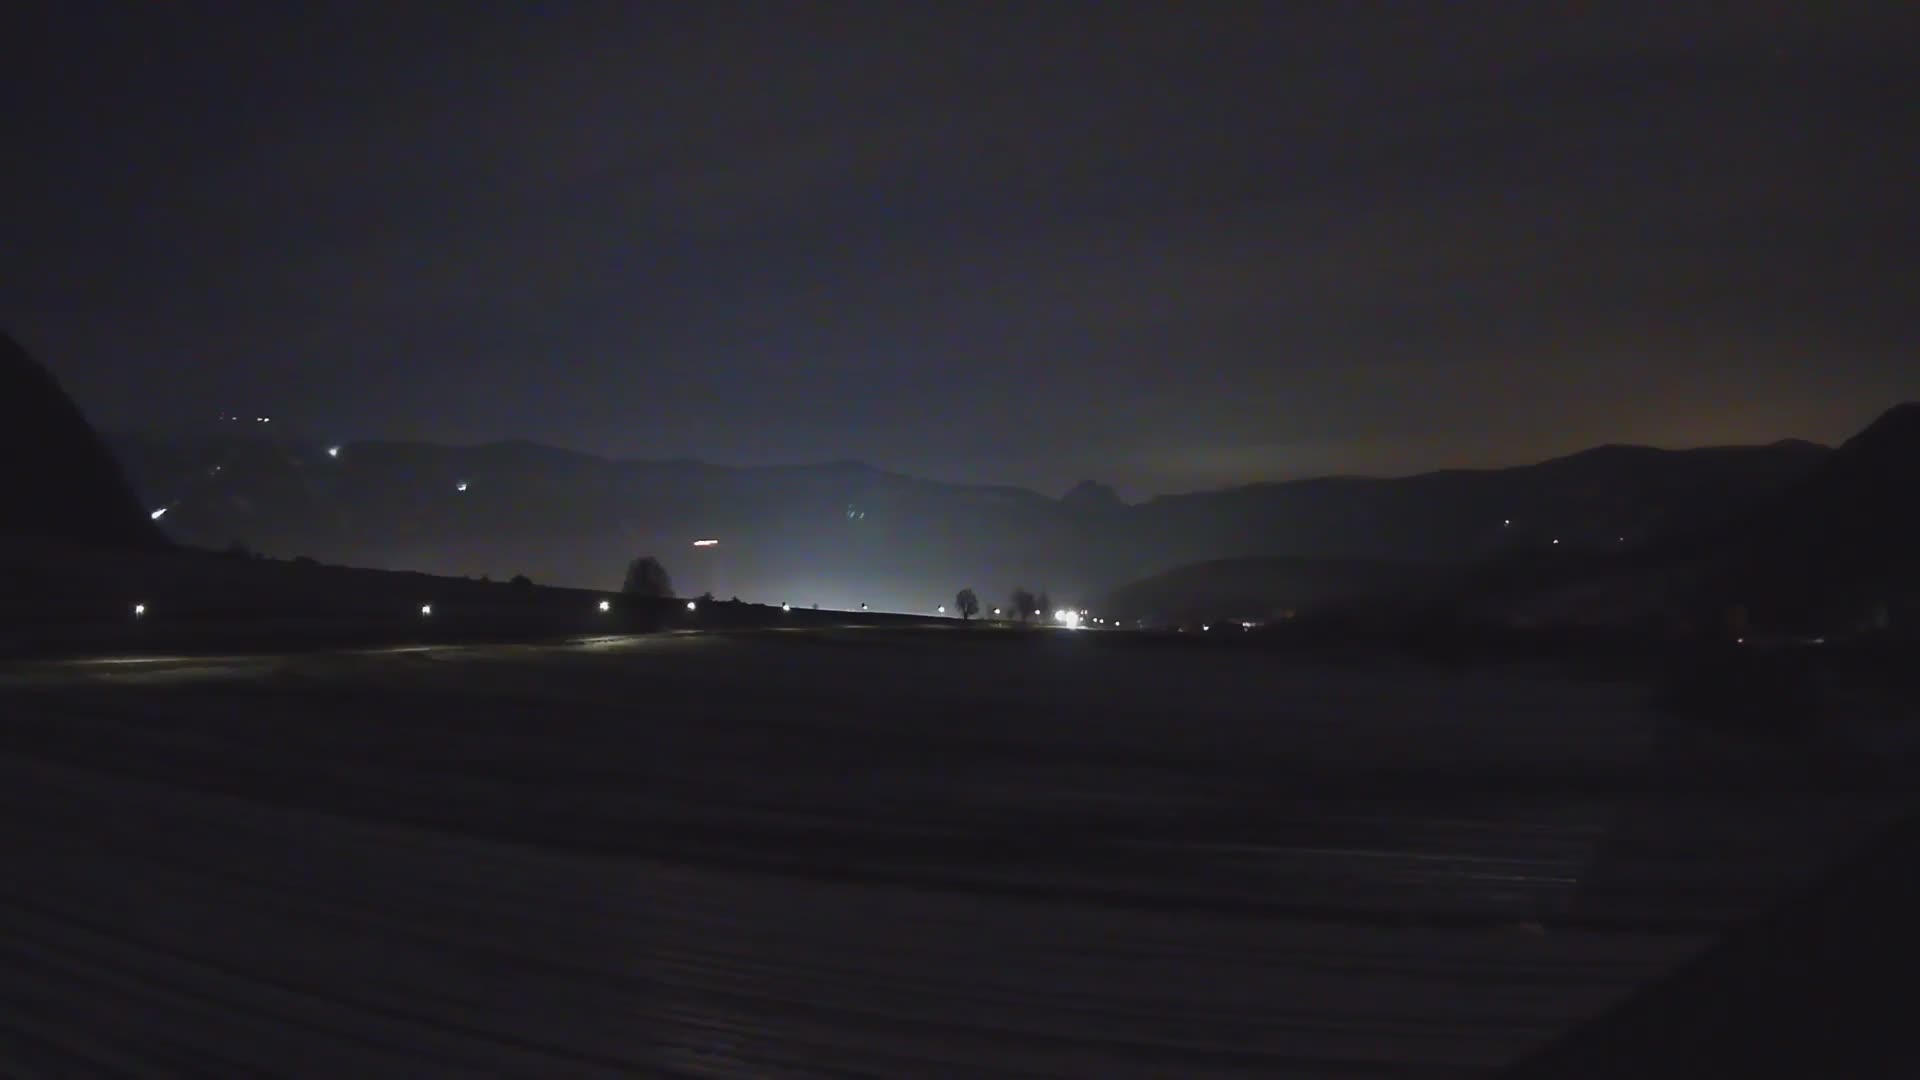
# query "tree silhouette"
(968, 604)
(1044, 605)
(647, 578)
(1023, 602)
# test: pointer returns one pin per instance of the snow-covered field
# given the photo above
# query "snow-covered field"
(855, 852)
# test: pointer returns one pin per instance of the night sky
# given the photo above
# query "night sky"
(1165, 246)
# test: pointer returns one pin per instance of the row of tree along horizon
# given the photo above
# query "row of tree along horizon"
(647, 577)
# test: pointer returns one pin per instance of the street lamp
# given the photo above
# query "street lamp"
(426, 610)
(333, 451)
(691, 606)
(139, 611)
(606, 605)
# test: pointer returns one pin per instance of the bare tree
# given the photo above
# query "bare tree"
(1023, 602)
(967, 603)
(647, 578)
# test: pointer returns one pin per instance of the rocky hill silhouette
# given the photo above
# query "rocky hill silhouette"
(1844, 538)
(1860, 504)
(63, 483)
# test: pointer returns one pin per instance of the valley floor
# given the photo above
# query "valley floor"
(854, 852)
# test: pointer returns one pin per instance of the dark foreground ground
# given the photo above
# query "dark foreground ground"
(861, 852)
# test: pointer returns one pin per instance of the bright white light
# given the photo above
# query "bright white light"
(786, 607)
(266, 419)
(863, 607)
(705, 543)
(461, 486)
(941, 610)
(1556, 539)
(1507, 524)
(158, 514)
(1246, 626)
(139, 610)
(691, 606)
(426, 610)
(1068, 619)
(606, 605)
(996, 611)
(1205, 627)
(333, 451)
(1036, 613)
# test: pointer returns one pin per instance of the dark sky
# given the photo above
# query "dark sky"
(1166, 245)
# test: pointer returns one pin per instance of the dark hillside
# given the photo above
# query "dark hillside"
(62, 483)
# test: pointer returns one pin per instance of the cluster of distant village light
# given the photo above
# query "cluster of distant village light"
(1073, 620)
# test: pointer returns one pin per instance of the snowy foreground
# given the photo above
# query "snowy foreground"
(831, 853)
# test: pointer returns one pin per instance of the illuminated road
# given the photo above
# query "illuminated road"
(837, 854)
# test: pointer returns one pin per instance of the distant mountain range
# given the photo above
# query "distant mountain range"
(1834, 550)
(845, 533)
(1790, 532)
